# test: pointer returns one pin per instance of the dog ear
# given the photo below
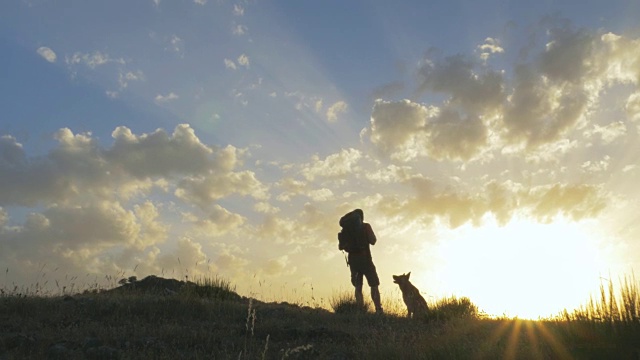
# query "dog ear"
(408, 274)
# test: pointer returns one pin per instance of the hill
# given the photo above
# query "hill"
(158, 318)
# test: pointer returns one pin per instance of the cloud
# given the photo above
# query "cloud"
(265, 208)
(335, 110)
(239, 29)
(390, 175)
(243, 60)
(125, 77)
(397, 128)
(47, 54)
(186, 255)
(476, 92)
(206, 189)
(238, 10)
(77, 233)
(608, 133)
(175, 44)
(161, 99)
(160, 154)
(320, 195)
(219, 221)
(78, 167)
(489, 47)
(27, 181)
(333, 166)
(455, 206)
(92, 60)
(87, 220)
(632, 107)
(405, 130)
(617, 58)
(574, 201)
(229, 64)
(548, 98)
(279, 266)
(200, 2)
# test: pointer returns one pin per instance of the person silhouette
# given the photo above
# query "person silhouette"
(356, 238)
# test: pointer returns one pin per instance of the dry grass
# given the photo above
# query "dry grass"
(206, 319)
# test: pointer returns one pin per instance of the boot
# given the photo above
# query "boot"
(375, 296)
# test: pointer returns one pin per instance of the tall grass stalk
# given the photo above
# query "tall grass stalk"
(621, 307)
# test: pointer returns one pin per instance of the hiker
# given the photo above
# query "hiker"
(355, 238)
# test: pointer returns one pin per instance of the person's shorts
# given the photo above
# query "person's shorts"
(362, 266)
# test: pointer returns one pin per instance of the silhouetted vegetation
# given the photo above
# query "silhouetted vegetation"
(156, 318)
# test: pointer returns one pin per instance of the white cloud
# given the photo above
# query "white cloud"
(609, 132)
(175, 44)
(404, 130)
(336, 165)
(160, 154)
(243, 60)
(92, 60)
(617, 55)
(218, 222)
(455, 206)
(205, 190)
(489, 47)
(335, 110)
(78, 233)
(632, 106)
(397, 128)
(200, 2)
(87, 223)
(389, 175)
(125, 77)
(229, 64)
(320, 195)
(279, 266)
(593, 166)
(266, 208)
(78, 167)
(238, 10)
(160, 99)
(47, 54)
(240, 29)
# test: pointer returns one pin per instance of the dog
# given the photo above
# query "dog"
(416, 304)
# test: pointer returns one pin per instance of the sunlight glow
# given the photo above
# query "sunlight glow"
(524, 269)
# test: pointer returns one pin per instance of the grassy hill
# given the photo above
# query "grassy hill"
(158, 318)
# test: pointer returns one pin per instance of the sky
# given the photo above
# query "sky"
(491, 144)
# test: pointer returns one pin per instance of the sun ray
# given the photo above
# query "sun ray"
(559, 350)
(513, 341)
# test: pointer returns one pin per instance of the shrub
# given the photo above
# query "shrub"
(452, 308)
(344, 303)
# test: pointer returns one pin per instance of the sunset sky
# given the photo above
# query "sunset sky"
(493, 145)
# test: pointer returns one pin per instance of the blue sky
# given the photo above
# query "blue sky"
(233, 134)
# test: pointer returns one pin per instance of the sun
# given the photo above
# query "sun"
(524, 268)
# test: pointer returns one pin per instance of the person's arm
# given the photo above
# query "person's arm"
(370, 234)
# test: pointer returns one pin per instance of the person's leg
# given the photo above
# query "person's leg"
(359, 297)
(375, 296)
(357, 281)
(374, 282)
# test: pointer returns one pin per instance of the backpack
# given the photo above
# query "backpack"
(352, 237)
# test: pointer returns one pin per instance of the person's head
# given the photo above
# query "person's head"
(360, 213)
